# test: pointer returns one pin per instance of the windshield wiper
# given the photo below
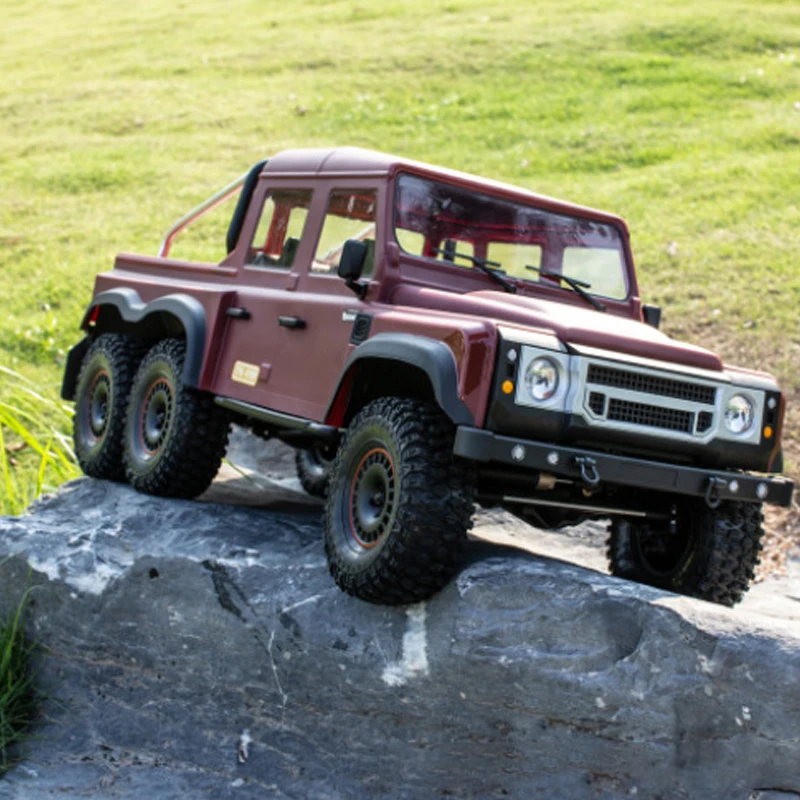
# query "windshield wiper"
(484, 265)
(576, 285)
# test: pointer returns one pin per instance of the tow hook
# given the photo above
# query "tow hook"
(589, 474)
(712, 492)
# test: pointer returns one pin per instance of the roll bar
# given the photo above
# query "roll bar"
(204, 207)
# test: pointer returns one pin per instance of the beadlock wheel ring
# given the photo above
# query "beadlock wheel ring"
(98, 407)
(155, 417)
(372, 498)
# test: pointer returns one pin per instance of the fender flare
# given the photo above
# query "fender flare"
(187, 309)
(431, 356)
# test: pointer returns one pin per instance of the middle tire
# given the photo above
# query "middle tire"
(399, 503)
(175, 436)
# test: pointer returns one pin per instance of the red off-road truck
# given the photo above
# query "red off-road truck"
(428, 339)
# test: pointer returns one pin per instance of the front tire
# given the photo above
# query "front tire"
(101, 403)
(399, 504)
(712, 554)
(175, 436)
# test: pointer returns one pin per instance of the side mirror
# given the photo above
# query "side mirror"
(652, 315)
(351, 262)
(351, 265)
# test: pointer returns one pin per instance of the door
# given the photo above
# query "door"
(287, 343)
(327, 307)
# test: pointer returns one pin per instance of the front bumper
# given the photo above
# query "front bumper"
(594, 468)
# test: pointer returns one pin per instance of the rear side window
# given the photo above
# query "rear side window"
(280, 229)
(350, 215)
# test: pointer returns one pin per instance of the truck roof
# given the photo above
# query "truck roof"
(353, 161)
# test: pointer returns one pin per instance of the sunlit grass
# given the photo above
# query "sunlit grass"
(35, 449)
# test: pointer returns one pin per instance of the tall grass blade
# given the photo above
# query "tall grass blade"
(17, 696)
(5, 469)
(41, 424)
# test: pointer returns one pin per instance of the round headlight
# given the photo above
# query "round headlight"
(541, 378)
(739, 414)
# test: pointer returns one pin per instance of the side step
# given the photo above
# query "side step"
(287, 427)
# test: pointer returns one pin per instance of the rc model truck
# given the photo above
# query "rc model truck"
(426, 340)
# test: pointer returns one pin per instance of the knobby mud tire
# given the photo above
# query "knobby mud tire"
(313, 470)
(714, 555)
(101, 404)
(175, 436)
(399, 504)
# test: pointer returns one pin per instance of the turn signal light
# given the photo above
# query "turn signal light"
(508, 387)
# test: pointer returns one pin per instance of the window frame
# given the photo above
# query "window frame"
(549, 254)
(325, 195)
(270, 191)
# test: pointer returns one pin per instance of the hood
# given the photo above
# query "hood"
(570, 323)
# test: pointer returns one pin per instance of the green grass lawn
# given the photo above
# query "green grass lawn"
(17, 695)
(682, 117)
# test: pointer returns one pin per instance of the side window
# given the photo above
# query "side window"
(280, 228)
(350, 215)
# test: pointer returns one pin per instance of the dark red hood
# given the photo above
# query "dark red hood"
(571, 324)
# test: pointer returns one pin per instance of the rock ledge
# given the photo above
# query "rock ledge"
(201, 650)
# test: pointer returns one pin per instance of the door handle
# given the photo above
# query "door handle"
(291, 322)
(237, 313)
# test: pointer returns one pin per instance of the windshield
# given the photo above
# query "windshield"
(454, 224)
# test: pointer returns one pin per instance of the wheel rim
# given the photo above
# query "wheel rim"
(662, 553)
(372, 498)
(98, 406)
(155, 416)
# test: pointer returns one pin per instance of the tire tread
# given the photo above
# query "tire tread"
(197, 442)
(123, 354)
(423, 550)
(722, 563)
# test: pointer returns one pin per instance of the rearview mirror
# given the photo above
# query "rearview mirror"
(352, 259)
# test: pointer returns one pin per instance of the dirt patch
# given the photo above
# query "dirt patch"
(782, 538)
(783, 358)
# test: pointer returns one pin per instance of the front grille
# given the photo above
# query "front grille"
(597, 402)
(651, 384)
(704, 421)
(650, 416)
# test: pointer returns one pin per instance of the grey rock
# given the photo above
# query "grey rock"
(201, 650)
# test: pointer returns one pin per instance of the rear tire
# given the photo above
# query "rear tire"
(712, 554)
(101, 403)
(399, 504)
(175, 436)
(314, 470)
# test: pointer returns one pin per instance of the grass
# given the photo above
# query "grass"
(17, 696)
(682, 118)
(35, 452)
